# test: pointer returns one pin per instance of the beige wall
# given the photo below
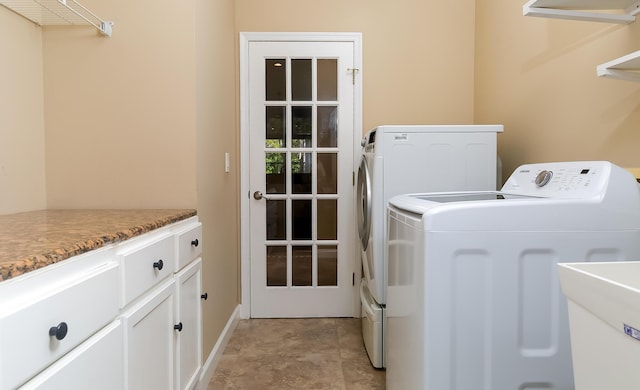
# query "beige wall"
(418, 55)
(217, 191)
(119, 111)
(22, 167)
(538, 77)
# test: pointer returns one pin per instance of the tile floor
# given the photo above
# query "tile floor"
(309, 353)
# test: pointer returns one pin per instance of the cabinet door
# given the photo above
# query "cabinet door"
(149, 339)
(96, 364)
(189, 349)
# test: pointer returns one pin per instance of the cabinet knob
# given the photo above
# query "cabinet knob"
(195, 242)
(158, 264)
(205, 296)
(178, 327)
(59, 331)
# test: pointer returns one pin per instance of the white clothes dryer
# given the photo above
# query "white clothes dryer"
(473, 298)
(405, 159)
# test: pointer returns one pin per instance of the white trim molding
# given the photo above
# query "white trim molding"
(210, 365)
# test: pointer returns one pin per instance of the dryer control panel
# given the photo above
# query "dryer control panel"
(582, 179)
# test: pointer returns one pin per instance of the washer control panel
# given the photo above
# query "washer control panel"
(566, 179)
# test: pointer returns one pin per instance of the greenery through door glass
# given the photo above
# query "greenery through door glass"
(275, 162)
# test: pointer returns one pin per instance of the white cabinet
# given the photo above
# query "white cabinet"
(149, 340)
(126, 316)
(189, 347)
(188, 352)
(162, 315)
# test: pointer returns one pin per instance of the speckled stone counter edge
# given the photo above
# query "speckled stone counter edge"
(18, 267)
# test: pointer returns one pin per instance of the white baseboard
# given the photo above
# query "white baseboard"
(209, 366)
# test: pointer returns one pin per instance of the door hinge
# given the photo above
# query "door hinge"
(353, 74)
(353, 278)
(353, 178)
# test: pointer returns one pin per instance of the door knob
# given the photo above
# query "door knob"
(258, 196)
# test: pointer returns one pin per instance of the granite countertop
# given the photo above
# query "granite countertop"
(35, 239)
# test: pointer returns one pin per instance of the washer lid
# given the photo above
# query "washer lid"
(438, 202)
(470, 196)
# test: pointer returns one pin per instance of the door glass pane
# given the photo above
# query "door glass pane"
(276, 127)
(276, 79)
(327, 123)
(276, 173)
(328, 79)
(327, 173)
(301, 80)
(301, 219)
(327, 219)
(276, 219)
(301, 266)
(276, 266)
(301, 167)
(327, 265)
(301, 126)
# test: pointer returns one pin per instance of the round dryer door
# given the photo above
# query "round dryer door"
(363, 203)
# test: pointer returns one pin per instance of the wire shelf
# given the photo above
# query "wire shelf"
(57, 12)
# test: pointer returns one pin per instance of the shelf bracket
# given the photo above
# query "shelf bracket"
(106, 28)
(633, 9)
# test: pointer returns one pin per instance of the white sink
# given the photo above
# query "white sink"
(604, 323)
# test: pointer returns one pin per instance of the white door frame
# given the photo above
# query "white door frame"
(245, 228)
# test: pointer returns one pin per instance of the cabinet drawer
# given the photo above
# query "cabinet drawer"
(145, 264)
(55, 321)
(95, 364)
(189, 242)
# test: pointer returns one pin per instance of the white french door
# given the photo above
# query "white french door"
(300, 190)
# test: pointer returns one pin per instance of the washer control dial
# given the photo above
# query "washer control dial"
(543, 178)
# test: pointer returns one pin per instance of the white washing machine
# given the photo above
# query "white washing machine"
(473, 298)
(404, 159)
